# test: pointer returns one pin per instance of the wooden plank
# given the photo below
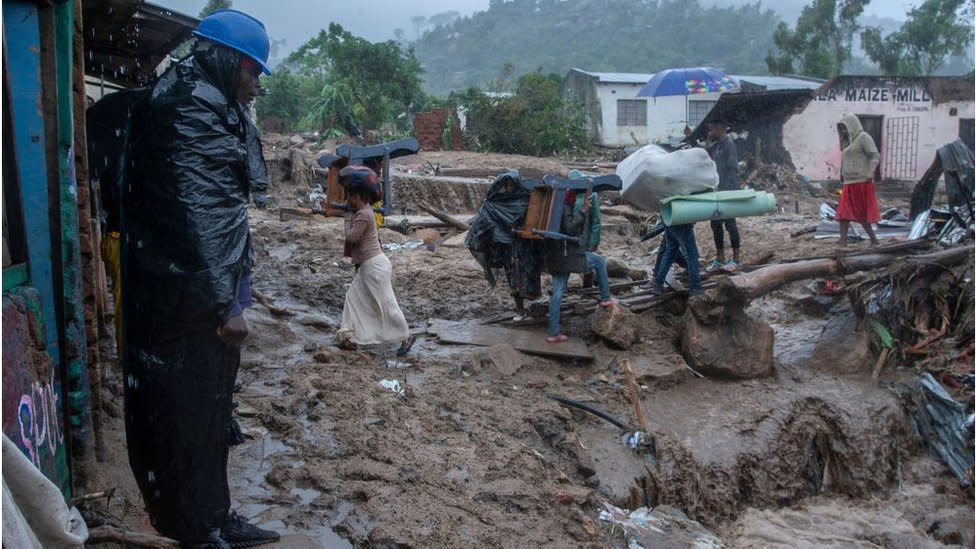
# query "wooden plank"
(529, 341)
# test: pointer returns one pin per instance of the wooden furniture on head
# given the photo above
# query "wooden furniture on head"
(376, 157)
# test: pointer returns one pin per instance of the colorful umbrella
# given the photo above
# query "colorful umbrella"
(688, 81)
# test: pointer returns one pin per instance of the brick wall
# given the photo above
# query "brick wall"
(428, 128)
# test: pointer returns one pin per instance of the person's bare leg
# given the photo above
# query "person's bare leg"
(870, 230)
(720, 255)
(735, 255)
(843, 234)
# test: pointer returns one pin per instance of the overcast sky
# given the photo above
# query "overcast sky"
(298, 20)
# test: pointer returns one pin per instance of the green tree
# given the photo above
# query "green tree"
(820, 42)
(285, 105)
(376, 82)
(536, 120)
(214, 5)
(933, 31)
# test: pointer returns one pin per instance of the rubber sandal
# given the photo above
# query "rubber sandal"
(557, 338)
(405, 348)
(608, 303)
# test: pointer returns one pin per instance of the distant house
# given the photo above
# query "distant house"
(617, 117)
(909, 118)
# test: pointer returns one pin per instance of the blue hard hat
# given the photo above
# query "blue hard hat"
(237, 30)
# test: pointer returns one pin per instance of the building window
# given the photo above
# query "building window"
(631, 112)
(698, 110)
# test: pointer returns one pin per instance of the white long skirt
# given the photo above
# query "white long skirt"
(371, 314)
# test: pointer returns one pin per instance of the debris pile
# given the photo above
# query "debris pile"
(923, 312)
(778, 177)
(290, 160)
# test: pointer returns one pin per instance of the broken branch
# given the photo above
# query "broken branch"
(269, 304)
(111, 534)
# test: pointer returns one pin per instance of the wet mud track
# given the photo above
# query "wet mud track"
(470, 455)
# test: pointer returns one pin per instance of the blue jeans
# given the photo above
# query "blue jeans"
(561, 280)
(679, 239)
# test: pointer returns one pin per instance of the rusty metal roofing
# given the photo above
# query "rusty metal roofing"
(126, 39)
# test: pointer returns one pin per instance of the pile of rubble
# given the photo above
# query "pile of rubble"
(778, 177)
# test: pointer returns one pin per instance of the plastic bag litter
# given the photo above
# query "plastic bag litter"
(652, 174)
(393, 385)
(409, 245)
(827, 211)
(659, 527)
(317, 199)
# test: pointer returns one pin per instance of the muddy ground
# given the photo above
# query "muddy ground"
(472, 454)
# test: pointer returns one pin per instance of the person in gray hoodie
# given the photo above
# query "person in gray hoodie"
(859, 157)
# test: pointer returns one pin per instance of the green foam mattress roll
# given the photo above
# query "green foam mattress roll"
(684, 209)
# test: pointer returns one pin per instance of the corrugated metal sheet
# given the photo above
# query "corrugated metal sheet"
(126, 39)
(618, 77)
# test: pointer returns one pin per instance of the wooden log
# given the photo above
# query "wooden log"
(443, 216)
(634, 395)
(111, 534)
(760, 282)
(803, 231)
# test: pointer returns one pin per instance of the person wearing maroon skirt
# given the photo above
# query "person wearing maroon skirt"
(859, 157)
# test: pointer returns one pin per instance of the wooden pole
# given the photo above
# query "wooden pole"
(443, 216)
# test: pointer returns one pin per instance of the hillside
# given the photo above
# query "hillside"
(600, 35)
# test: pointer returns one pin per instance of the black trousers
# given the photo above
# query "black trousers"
(719, 234)
(178, 406)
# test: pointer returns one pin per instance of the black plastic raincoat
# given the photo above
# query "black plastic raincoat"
(193, 157)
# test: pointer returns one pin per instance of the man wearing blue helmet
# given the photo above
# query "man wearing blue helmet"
(194, 162)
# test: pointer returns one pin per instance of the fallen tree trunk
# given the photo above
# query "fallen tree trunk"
(748, 286)
(443, 216)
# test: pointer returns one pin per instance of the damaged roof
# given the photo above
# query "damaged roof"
(745, 108)
(772, 83)
(126, 39)
(941, 89)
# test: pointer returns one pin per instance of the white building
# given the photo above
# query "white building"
(618, 118)
(909, 118)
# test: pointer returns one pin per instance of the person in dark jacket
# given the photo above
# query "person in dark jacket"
(726, 158)
(563, 257)
(186, 256)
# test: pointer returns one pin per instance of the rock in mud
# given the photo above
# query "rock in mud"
(725, 342)
(323, 357)
(503, 358)
(844, 347)
(619, 269)
(616, 324)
